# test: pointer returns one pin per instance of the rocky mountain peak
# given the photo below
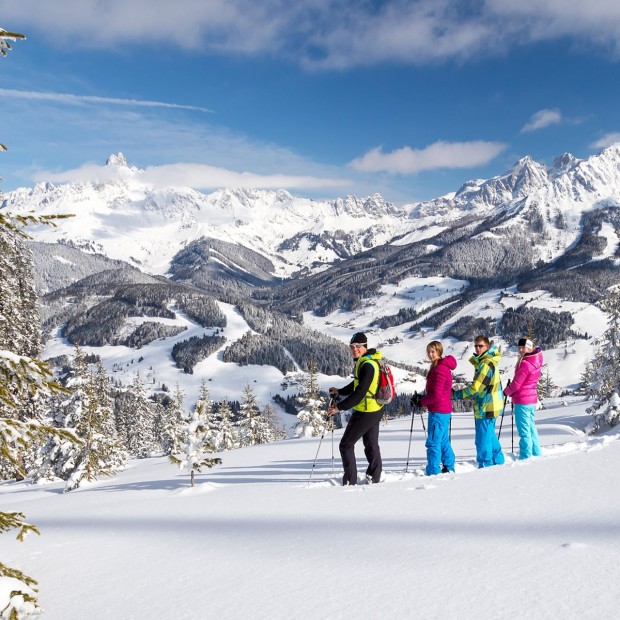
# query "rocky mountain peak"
(118, 161)
(562, 164)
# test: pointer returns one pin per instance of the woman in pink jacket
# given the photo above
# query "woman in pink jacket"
(438, 401)
(524, 395)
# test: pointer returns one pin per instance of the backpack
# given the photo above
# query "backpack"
(386, 390)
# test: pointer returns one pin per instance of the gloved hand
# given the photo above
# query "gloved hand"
(416, 400)
(333, 392)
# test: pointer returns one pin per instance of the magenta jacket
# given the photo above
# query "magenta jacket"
(522, 388)
(438, 397)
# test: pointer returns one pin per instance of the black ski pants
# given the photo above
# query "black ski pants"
(366, 426)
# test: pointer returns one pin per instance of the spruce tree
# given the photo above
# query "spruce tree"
(141, 440)
(100, 454)
(23, 378)
(197, 448)
(603, 372)
(226, 437)
(276, 429)
(251, 427)
(312, 421)
(546, 386)
(59, 457)
(175, 424)
(205, 401)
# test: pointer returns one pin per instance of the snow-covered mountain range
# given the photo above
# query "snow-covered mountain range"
(536, 238)
(125, 218)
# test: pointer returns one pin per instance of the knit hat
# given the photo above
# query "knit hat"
(526, 342)
(359, 338)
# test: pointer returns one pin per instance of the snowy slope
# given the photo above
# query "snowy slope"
(566, 363)
(535, 539)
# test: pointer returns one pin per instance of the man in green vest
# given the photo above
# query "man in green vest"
(364, 421)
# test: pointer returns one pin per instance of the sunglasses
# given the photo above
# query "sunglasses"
(356, 346)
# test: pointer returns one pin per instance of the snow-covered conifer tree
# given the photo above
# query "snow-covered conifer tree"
(175, 424)
(6, 38)
(141, 440)
(312, 421)
(604, 370)
(226, 435)
(204, 399)
(251, 426)
(546, 386)
(276, 430)
(23, 380)
(58, 458)
(197, 450)
(101, 453)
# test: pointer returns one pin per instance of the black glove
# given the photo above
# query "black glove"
(416, 400)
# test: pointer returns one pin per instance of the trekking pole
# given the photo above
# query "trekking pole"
(316, 456)
(512, 427)
(332, 403)
(503, 410)
(410, 435)
(422, 418)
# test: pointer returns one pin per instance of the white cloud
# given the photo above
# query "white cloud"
(67, 98)
(541, 119)
(327, 33)
(607, 140)
(196, 176)
(438, 155)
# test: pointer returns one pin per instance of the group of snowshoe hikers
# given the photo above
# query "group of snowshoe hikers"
(485, 390)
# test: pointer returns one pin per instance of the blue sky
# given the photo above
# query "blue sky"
(321, 97)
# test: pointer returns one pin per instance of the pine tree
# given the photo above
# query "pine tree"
(312, 421)
(198, 448)
(603, 375)
(175, 424)
(226, 436)
(546, 386)
(101, 453)
(205, 401)
(251, 427)
(58, 457)
(23, 378)
(141, 440)
(5, 45)
(276, 430)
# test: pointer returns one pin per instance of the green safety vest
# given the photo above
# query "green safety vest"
(368, 404)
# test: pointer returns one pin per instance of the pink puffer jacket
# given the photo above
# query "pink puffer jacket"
(438, 397)
(522, 388)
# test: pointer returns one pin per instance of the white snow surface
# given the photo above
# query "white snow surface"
(257, 539)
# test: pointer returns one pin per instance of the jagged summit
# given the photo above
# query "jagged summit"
(117, 160)
(562, 164)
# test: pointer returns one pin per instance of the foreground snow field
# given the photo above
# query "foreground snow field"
(533, 539)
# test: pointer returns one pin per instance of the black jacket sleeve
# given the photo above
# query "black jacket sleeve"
(366, 375)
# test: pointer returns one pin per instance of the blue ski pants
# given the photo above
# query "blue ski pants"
(488, 449)
(529, 444)
(438, 448)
